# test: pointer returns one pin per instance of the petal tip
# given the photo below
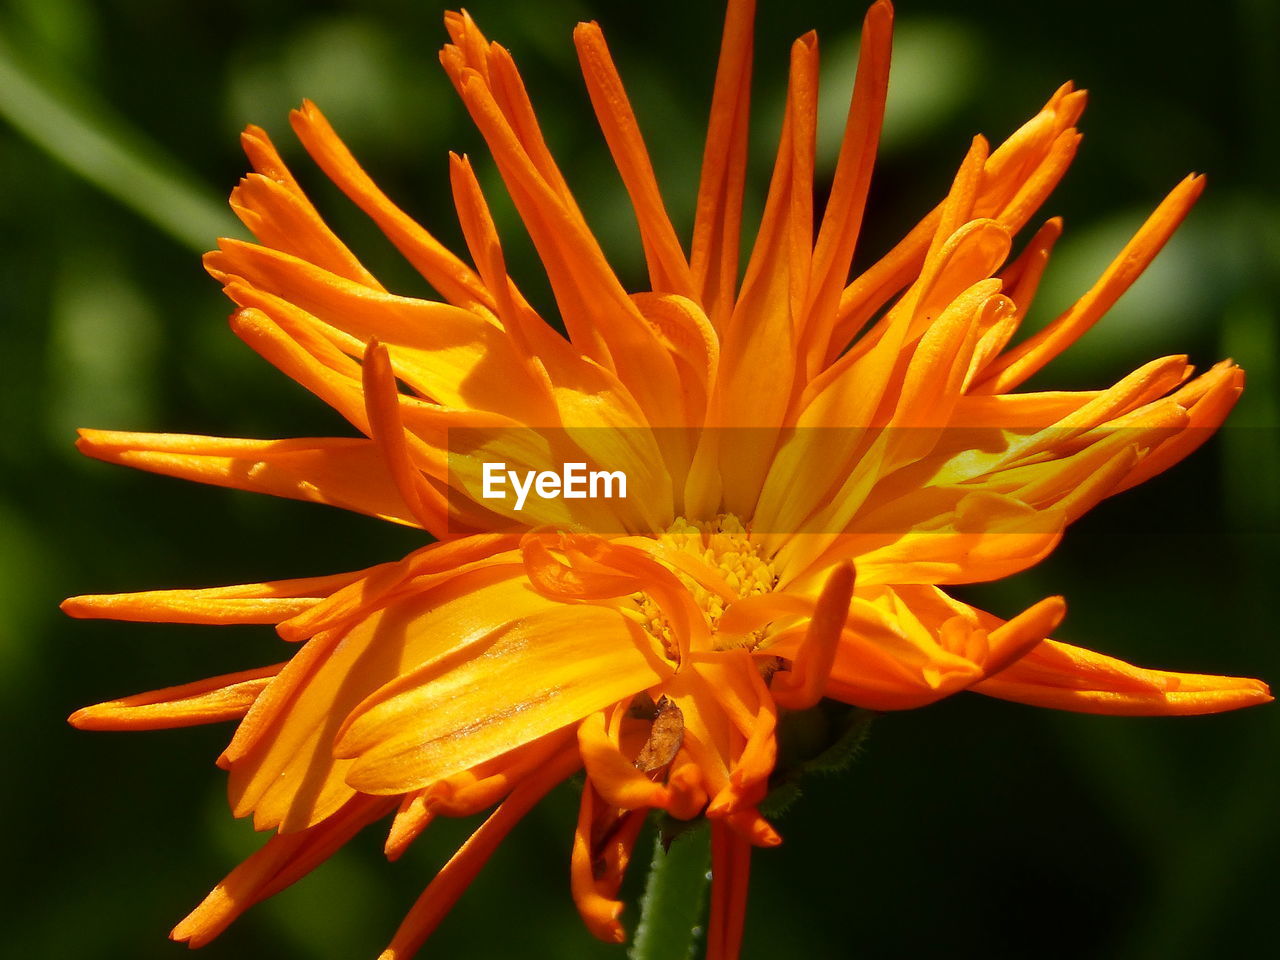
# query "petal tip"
(880, 14)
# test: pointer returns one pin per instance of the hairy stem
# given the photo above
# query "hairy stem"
(675, 893)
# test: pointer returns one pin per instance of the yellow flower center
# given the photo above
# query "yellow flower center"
(723, 549)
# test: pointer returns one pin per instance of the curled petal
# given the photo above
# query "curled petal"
(602, 849)
(615, 776)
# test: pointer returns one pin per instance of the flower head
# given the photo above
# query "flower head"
(812, 461)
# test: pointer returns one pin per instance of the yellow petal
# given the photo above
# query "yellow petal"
(536, 674)
(282, 762)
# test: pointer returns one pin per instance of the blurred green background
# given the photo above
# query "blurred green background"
(973, 828)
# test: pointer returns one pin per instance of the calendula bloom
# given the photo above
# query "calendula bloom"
(812, 461)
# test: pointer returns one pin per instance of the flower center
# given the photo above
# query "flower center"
(723, 556)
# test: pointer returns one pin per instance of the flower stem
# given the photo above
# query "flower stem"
(674, 895)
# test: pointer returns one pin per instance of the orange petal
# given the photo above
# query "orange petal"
(778, 271)
(1073, 482)
(456, 875)
(911, 387)
(454, 356)
(668, 268)
(320, 358)
(540, 348)
(282, 860)
(1012, 164)
(600, 569)
(569, 581)
(688, 796)
(747, 823)
(342, 472)
(738, 690)
(227, 697)
(896, 653)
(1019, 281)
(602, 849)
(1208, 400)
(1016, 366)
(382, 407)
(1043, 179)
(758, 351)
(520, 682)
(1010, 641)
(272, 205)
(730, 875)
(614, 775)
(442, 269)
(471, 791)
(802, 686)
(1017, 411)
(282, 760)
(842, 219)
(602, 321)
(268, 602)
(718, 221)
(709, 740)
(984, 536)
(420, 570)
(411, 819)
(296, 345)
(1064, 677)
(1145, 385)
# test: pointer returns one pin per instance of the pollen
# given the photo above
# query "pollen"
(728, 567)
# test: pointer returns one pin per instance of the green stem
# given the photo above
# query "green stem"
(674, 896)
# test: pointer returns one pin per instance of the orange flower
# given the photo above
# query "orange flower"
(812, 459)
